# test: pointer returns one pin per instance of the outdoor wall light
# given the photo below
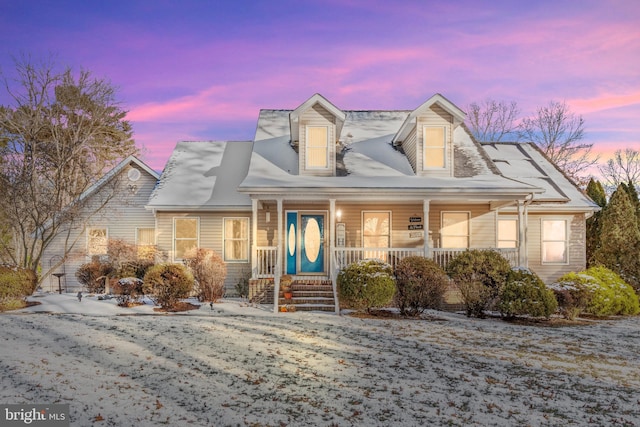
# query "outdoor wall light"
(338, 214)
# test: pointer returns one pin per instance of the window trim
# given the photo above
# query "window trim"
(566, 240)
(308, 146)
(468, 235)
(444, 148)
(389, 236)
(174, 238)
(247, 239)
(146, 228)
(390, 213)
(498, 240)
(88, 239)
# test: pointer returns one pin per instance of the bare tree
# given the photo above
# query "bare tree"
(559, 134)
(491, 120)
(60, 133)
(624, 167)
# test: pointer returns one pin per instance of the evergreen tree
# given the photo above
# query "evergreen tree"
(620, 238)
(633, 196)
(595, 190)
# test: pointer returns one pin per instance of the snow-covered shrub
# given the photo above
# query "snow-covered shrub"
(127, 290)
(366, 284)
(92, 275)
(15, 285)
(479, 274)
(526, 294)
(625, 299)
(209, 271)
(168, 283)
(421, 284)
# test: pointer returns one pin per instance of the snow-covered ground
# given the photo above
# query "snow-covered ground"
(240, 365)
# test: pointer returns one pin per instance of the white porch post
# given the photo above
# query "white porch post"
(425, 213)
(522, 244)
(279, 253)
(254, 238)
(332, 233)
(332, 252)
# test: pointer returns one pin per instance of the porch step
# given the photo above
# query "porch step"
(310, 295)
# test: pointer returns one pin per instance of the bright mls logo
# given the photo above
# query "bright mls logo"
(34, 415)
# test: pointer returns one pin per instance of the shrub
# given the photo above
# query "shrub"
(127, 290)
(526, 294)
(605, 292)
(421, 284)
(625, 300)
(479, 274)
(92, 274)
(168, 283)
(366, 284)
(209, 271)
(15, 285)
(572, 298)
(242, 286)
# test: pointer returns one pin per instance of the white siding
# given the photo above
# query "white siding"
(121, 216)
(211, 237)
(577, 240)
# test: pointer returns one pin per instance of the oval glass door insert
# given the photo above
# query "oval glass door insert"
(312, 240)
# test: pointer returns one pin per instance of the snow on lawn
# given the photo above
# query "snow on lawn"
(238, 365)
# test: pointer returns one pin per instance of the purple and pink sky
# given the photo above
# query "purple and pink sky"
(202, 70)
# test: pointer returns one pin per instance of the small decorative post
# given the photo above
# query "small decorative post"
(59, 275)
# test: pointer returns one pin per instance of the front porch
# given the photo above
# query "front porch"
(312, 240)
(319, 293)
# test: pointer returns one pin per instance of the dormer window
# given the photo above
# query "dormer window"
(434, 139)
(317, 149)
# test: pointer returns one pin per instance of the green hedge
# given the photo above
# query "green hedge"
(15, 285)
(480, 275)
(366, 284)
(526, 294)
(602, 292)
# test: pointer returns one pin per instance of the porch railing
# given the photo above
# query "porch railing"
(266, 262)
(266, 257)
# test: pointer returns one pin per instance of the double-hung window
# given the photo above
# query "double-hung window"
(236, 239)
(554, 241)
(145, 241)
(185, 236)
(434, 147)
(507, 233)
(97, 242)
(455, 230)
(376, 233)
(317, 150)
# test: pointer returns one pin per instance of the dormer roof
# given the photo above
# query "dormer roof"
(410, 123)
(294, 116)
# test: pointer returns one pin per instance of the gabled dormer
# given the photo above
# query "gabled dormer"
(426, 136)
(315, 131)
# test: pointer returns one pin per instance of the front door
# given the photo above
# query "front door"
(311, 243)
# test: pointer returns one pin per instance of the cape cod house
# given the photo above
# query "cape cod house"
(319, 188)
